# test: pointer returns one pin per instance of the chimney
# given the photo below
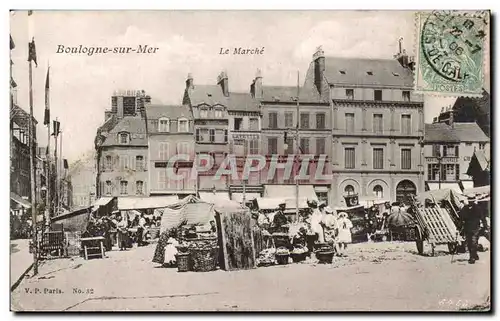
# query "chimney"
(319, 71)
(189, 81)
(222, 80)
(451, 119)
(402, 56)
(256, 86)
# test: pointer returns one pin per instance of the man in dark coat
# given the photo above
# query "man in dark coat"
(472, 219)
(280, 218)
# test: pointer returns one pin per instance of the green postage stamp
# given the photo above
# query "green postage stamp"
(451, 52)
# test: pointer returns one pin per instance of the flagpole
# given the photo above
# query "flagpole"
(56, 194)
(298, 151)
(61, 170)
(32, 172)
(48, 202)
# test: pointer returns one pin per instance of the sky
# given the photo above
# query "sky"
(189, 42)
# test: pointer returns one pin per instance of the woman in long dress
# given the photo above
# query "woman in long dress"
(345, 237)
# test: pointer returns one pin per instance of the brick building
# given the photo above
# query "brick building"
(448, 150)
(377, 125)
(122, 147)
(170, 131)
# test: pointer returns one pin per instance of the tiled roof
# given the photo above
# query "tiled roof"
(136, 126)
(212, 95)
(20, 116)
(482, 159)
(460, 132)
(354, 71)
(470, 132)
(168, 111)
(289, 94)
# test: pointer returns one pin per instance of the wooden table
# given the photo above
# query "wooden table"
(90, 243)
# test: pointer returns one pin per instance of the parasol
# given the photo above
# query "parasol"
(397, 219)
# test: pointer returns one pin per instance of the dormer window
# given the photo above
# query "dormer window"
(203, 112)
(124, 138)
(182, 124)
(164, 125)
(218, 112)
(370, 73)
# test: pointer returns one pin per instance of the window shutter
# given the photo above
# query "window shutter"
(456, 151)
(445, 151)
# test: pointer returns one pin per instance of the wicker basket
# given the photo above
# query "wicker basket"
(204, 260)
(298, 257)
(183, 262)
(325, 257)
(282, 259)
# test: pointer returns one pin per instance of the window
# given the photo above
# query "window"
(378, 123)
(304, 120)
(378, 158)
(457, 172)
(436, 150)
(350, 157)
(203, 113)
(139, 163)
(198, 136)
(406, 95)
(109, 188)
(482, 145)
(124, 162)
(320, 146)
(406, 124)
(124, 137)
(218, 113)
(211, 135)
(378, 191)
(108, 165)
(377, 95)
(164, 125)
(349, 189)
(450, 151)
(349, 93)
(253, 146)
(162, 180)
(225, 135)
(289, 147)
(163, 152)
(272, 145)
(238, 123)
(182, 125)
(432, 172)
(273, 120)
(304, 145)
(124, 187)
(349, 122)
(450, 172)
(139, 186)
(405, 158)
(468, 144)
(320, 121)
(254, 124)
(289, 120)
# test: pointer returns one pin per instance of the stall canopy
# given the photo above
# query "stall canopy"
(238, 197)
(272, 203)
(368, 201)
(483, 190)
(213, 198)
(467, 185)
(188, 211)
(438, 196)
(445, 185)
(75, 221)
(288, 192)
(103, 201)
(140, 203)
(19, 200)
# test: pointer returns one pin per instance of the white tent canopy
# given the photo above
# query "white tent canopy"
(139, 203)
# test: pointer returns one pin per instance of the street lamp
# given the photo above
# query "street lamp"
(439, 158)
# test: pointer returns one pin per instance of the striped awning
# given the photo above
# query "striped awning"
(19, 200)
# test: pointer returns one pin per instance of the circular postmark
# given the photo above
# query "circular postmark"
(452, 44)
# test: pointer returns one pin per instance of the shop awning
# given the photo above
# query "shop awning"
(238, 197)
(321, 189)
(369, 201)
(272, 203)
(140, 203)
(467, 185)
(482, 190)
(103, 201)
(445, 185)
(215, 198)
(288, 191)
(19, 200)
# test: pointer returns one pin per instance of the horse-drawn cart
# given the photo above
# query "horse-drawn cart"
(436, 227)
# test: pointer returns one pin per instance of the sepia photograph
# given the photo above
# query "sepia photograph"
(196, 160)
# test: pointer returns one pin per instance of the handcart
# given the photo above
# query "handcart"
(436, 226)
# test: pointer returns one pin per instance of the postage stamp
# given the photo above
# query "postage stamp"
(451, 49)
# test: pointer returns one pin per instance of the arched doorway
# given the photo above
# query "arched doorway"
(405, 190)
(349, 190)
(378, 191)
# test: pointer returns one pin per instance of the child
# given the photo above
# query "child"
(344, 237)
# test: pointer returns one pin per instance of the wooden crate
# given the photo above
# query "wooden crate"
(439, 225)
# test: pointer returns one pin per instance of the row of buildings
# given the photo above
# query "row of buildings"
(20, 176)
(361, 115)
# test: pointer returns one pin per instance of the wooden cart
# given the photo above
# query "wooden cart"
(93, 246)
(436, 226)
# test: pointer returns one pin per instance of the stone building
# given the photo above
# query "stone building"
(448, 150)
(170, 133)
(82, 174)
(122, 147)
(377, 125)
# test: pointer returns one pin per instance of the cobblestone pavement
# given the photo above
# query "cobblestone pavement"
(375, 276)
